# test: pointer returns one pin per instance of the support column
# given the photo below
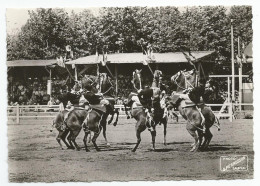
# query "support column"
(116, 77)
(240, 73)
(230, 105)
(232, 62)
(240, 87)
(76, 73)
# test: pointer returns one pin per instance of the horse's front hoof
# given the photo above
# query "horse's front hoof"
(194, 149)
(78, 149)
(71, 148)
(97, 149)
(115, 123)
(109, 122)
(218, 129)
(87, 150)
(128, 117)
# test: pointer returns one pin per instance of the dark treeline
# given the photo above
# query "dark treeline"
(167, 29)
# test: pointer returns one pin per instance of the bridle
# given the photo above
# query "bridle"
(92, 81)
(101, 81)
(187, 83)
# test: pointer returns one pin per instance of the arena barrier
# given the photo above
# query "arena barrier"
(45, 111)
(40, 112)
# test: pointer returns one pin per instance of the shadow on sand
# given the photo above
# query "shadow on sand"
(220, 148)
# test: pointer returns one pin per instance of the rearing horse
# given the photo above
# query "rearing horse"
(185, 80)
(102, 83)
(137, 111)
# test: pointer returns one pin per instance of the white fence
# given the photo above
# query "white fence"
(44, 111)
(40, 111)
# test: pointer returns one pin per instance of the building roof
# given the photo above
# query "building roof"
(119, 58)
(30, 63)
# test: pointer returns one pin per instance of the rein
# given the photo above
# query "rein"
(93, 82)
(187, 83)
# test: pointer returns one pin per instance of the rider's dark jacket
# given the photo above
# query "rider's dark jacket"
(196, 93)
(145, 97)
(92, 98)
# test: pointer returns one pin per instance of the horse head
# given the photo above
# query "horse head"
(157, 78)
(184, 80)
(137, 79)
(105, 84)
(90, 82)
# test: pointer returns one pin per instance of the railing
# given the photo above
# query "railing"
(40, 111)
(227, 109)
(45, 111)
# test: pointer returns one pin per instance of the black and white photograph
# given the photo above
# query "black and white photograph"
(129, 93)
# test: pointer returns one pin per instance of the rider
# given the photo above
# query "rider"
(196, 96)
(146, 99)
(76, 100)
(95, 101)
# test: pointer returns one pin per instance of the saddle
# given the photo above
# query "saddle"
(177, 98)
(189, 103)
(99, 107)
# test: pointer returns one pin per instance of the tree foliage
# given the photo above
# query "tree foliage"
(122, 29)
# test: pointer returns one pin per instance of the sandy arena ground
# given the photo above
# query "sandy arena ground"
(35, 156)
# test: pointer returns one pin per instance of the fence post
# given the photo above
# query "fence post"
(17, 114)
(230, 111)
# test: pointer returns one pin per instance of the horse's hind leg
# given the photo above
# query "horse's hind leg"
(73, 138)
(200, 134)
(117, 114)
(105, 135)
(58, 138)
(196, 138)
(111, 118)
(209, 136)
(71, 146)
(85, 140)
(138, 135)
(153, 133)
(96, 134)
(164, 132)
(63, 138)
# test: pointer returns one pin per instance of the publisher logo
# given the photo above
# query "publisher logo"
(234, 163)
